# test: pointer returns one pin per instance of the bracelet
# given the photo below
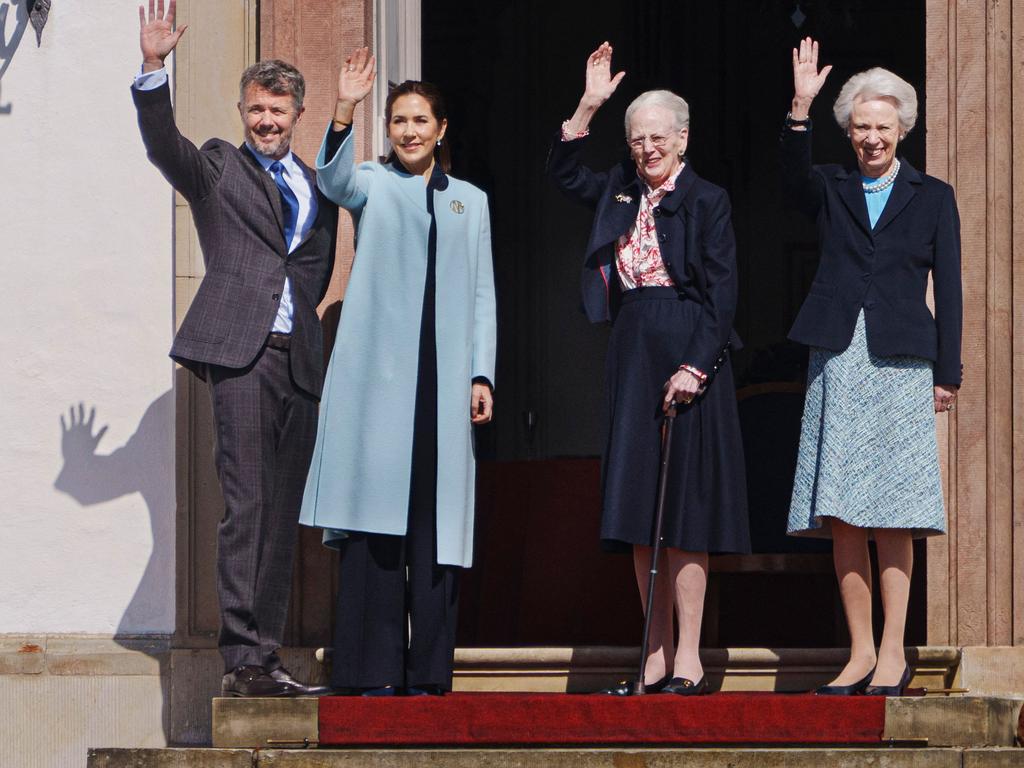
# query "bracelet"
(567, 136)
(696, 372)
(792, 121)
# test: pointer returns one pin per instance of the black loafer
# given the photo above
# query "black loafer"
(252, 680)
(846, 690)
(891, 690)
(628, 687)
(681, 686)
(282, 675)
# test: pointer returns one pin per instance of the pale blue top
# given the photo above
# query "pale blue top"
(875, 201)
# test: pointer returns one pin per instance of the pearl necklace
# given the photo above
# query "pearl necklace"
(881, 184)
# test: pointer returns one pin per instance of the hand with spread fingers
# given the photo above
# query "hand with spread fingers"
(807, 80)
(600, 85)
(600, 82)
(355, 81)
(157, 35)
(945, 398)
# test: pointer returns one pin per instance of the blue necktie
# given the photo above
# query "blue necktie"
(289, 203)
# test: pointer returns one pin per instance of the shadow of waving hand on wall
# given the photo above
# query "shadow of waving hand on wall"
(143, 465)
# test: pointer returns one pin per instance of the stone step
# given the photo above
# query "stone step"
(962, 721)
(930, 757)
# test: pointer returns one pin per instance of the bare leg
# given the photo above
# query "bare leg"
(689, 572)
(662, 644)
(895, 564)
(853, 571)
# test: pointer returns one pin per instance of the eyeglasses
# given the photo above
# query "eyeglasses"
(637, 144)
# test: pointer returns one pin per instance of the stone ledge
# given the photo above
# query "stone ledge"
(84, 655)
(966, 721)
(557, 758)
(256, 723)
(22, 655)
(171, 758)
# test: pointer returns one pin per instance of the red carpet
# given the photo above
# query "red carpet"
(475, 719)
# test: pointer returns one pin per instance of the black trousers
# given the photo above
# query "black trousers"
(265, 430)
(397, 610)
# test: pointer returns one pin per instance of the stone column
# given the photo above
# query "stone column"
(975, 124)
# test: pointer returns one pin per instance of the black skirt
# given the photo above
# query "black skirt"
(706, 496)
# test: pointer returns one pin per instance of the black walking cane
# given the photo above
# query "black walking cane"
(659, 517)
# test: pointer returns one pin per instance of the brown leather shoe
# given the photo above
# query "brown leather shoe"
(253, 680)
(282, 675)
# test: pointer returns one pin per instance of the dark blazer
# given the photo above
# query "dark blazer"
(237, 211)
(694, 227)
(885, 269)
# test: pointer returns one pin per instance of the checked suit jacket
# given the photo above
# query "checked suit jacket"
(237, 212)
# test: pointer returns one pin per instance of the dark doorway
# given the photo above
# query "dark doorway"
(512, 70)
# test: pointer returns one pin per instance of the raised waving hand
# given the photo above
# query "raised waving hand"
(157, 35)
(807, 80)
(355, 81)
(600, 85)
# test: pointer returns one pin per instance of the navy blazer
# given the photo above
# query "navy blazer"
(885, 269)
(694, 227)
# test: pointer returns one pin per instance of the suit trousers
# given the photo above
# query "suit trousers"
(265, 431)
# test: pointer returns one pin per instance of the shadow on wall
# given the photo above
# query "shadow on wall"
(143, 465)
(8, 45)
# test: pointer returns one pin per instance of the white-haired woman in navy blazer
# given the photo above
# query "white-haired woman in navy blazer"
(881, 363)
(660, 264)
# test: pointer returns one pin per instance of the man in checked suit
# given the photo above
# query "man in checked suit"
(252, 333)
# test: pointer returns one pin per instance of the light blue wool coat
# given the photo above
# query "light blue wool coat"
(360, 473)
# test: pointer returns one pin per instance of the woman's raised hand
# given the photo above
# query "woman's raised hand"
(600, 83)
(807, 80)
(357, 75)
(355, 81)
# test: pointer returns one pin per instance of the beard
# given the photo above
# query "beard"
(272, 145)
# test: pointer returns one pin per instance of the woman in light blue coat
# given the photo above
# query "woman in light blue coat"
(392, 476)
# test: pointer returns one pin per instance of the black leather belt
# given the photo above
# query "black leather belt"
(279, 340)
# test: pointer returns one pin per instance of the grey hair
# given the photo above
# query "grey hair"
(666, 100)
(877, 83)
(278, 77)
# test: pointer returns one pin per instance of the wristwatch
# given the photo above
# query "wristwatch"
(791, 121)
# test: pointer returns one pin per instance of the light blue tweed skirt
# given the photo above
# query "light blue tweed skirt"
(868, 454)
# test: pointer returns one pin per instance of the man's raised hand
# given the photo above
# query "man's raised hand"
(157, 35)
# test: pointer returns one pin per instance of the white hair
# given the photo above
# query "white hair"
(666, 100)
(877, 83)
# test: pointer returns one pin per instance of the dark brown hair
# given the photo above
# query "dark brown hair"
(432, 94)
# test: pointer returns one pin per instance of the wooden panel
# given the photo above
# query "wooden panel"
(1016, 78)
(999, 329)
(316, 36)
(218, 45)
(969, 177)
(940, 102)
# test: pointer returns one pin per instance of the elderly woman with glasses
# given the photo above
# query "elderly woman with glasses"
(660, 265)
(881, 361)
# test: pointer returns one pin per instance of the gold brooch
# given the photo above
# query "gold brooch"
(457, 206)
(621, 198)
